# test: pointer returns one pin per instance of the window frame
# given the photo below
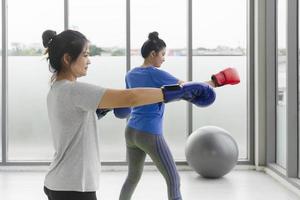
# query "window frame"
(291, 170)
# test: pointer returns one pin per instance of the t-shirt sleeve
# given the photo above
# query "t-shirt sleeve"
(86, 96)
(161, 77)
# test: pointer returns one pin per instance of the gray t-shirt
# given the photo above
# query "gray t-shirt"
(71, 111)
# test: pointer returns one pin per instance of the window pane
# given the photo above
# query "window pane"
(103, 22)
(28, 78)
(166, 22)
(220, 41)
(281, 83)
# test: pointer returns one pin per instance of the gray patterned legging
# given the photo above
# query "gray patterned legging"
(138, 145)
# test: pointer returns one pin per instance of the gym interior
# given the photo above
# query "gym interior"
(259, 156)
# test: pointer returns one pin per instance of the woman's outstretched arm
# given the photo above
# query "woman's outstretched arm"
(114, 98)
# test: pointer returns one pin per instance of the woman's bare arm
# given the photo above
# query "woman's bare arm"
(181, 82)
(114, 98)
(210, 82)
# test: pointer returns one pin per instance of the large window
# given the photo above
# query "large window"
(220, 41)
(28, 78)
(171, 26)
(281, 134)
(103, 22)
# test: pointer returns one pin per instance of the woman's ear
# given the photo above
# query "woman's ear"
(152, 54)
(67, 59)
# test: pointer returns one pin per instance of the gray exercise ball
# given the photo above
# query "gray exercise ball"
(211, 151)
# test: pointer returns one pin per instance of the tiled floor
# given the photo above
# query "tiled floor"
(237, 185)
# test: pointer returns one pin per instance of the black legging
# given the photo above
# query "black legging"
(138, 145)
(69, 195)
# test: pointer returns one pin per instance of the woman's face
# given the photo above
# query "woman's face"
(159, 58)
(80, 66)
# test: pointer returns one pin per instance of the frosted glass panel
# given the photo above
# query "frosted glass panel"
(29, 136)
(220, 41)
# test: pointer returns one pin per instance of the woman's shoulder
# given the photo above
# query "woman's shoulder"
(135, 70)
(64, 85)
(151, 70)
(78, 85)
(157, 70)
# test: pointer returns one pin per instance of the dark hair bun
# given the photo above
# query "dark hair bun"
(153, 36)
(47, 37)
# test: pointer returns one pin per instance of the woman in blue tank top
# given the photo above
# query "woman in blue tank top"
(144, 135)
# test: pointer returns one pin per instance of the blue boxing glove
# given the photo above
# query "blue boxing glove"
(122, 113)
(101, 112)
(200, 94)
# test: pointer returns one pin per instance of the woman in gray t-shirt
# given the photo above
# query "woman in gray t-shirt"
(74, 171)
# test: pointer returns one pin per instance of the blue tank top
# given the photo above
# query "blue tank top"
(148, 118)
